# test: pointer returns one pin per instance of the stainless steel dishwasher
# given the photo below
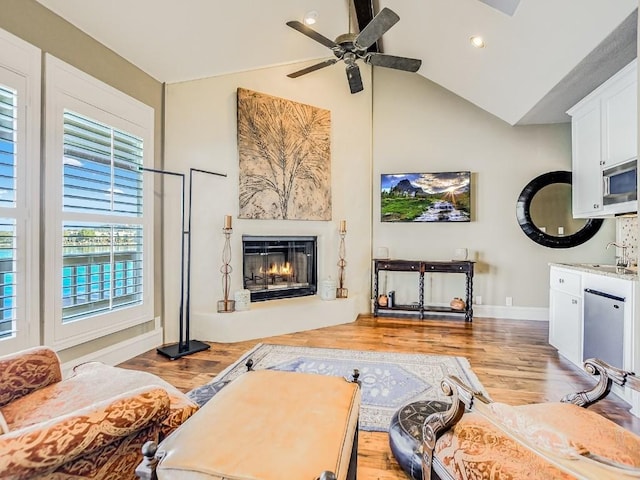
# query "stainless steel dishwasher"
(603, 327)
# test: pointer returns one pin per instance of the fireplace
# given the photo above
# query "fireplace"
(279, 266)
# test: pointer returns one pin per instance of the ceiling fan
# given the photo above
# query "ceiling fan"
(350, 47)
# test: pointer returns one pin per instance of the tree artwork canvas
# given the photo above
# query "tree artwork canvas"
(285, 158)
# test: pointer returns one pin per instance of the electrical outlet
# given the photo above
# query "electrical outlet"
(509, 301)
(478, 300)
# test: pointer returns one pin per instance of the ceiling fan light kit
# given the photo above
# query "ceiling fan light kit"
(351, 47)
(310, 18)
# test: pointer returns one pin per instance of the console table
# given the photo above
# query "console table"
(421, 267)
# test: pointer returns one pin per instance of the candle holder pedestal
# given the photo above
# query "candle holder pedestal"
(225, 305)
(342, 291)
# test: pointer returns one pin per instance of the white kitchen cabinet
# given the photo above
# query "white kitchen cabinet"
(587, 170)
(565, 313)
(619, 120)
(604, 133)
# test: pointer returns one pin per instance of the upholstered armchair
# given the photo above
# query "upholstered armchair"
(477, 438)
(90, 425)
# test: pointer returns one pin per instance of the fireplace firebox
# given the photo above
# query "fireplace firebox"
(279, 266)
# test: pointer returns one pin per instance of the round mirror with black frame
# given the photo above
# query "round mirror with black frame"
(543, 211)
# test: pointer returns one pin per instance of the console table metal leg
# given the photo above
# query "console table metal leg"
(421, 296)
(375, 292)
(468, 317)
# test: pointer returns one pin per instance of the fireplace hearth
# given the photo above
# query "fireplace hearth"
(279, 266)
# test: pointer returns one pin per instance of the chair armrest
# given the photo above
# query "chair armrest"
(607, 376)
(40, 449)
(23, 372)
(437, 423)
(573, 459)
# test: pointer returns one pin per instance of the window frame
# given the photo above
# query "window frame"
(67, 88)
(20, 70)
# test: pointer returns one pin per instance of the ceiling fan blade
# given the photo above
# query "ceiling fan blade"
(364, 15)
(312, 68)
(302, 28)
(382, 22)
(391, 61)
(354, 78)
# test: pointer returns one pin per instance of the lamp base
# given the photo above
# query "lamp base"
(226, 306)
(178, 350)
(342, 292)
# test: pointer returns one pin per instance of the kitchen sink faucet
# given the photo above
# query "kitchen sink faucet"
(622, 260)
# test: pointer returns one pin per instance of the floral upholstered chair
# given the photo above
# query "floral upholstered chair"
(90, 425)
(479, 439)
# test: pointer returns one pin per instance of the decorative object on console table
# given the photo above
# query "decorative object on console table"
(342, 292)
(225, 305)
(457, 304)
(185, 346)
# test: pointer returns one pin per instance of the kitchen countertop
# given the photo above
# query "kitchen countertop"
(630, 273)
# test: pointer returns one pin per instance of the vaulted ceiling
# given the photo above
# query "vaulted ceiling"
(541, 56)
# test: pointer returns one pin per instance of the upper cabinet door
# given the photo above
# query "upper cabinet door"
(587, 174)
(620, 120)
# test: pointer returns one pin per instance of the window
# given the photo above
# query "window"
(102, 261)
(19, 200)
(99, 268)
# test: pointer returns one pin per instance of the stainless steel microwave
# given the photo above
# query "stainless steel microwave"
(620, 187)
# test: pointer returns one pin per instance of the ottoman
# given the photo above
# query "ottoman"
(265, 425)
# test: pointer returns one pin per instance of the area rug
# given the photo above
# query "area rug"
(389, 380)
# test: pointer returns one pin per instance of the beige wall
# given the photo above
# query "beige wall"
(201, 133)
(40, 27)
(417, 127)
(421, 127)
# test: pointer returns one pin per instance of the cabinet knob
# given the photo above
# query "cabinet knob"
(574, 301)
(561, 280)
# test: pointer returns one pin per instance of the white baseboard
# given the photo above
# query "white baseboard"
(120, 352)
(511, 313)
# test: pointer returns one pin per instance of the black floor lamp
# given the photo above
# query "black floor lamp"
(185, 345)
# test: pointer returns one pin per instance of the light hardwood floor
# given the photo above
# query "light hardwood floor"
(512, 359)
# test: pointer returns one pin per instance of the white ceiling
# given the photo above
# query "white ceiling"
(533, 60)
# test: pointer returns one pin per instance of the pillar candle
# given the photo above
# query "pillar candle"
(343, 226)
(227, 221)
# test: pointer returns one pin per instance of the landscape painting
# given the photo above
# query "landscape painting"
(426, 197)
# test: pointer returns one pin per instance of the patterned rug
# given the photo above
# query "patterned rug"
(389, 380)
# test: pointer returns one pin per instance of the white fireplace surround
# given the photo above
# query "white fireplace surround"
(276, 317)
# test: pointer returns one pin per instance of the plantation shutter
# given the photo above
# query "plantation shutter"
(102, 211)
(8, 153)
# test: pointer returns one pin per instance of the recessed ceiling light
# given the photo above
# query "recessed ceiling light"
(477, 41)
(310, 18)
